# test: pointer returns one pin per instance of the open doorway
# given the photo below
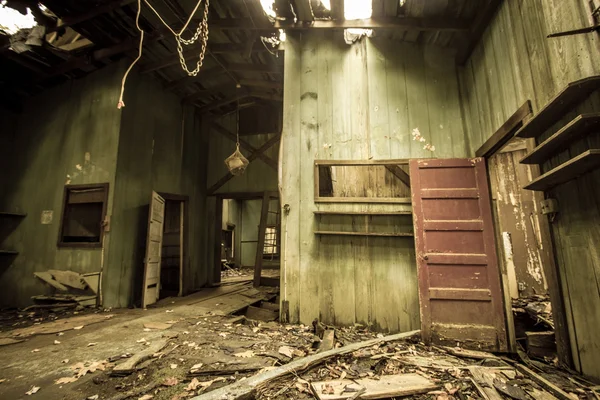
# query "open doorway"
(171, 264)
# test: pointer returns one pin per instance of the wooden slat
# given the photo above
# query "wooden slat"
(456, 259)
(482, 21)
(390, 213)
(450, 225)
(262, 229)
(384, 234)
(401, 23)
(460, 294)
(449, 193)
(574, 93)
(334, 163)
(567, 171)
(374, 200)
(581, 125)
(505, 132)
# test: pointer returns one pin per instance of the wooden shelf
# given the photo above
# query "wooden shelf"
(12, 214)
(567, 171)
(8, 253)
(381, 234)
(574, 93)
(390, 213)
(580, 126)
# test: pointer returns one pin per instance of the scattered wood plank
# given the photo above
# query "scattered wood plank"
(128, 366)
(49, 279)
(247, 387)
(484, 377)
(546, 384)
(241, 369)
(68, 278)
(260, 314)
(386, 387)
(328, 340)
(58, 326)
(460, 352)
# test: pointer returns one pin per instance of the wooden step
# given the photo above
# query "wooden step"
(580, 126)
(574, 93)
(567, 171)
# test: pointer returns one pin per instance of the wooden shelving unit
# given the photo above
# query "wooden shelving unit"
(578, 127)
(574, 93)
(380, 234)
(567, 171)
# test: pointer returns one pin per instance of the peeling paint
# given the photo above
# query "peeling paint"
(510, 265)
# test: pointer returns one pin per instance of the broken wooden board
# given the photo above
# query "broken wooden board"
(464, 353)
(260, 314)
(49, 279)
(245, 388)
(484, 377)
(491, 382)
(58, 326)
(385, 387)
(328, 340)
(128, 366)
(92, 280)
(157, 325)
(546, 384)
(68, 278)
(429, 362)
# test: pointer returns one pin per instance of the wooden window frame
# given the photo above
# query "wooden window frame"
(334, 163)
(92, 245)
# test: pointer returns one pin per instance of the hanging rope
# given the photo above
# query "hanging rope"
(121, 103)
(237, 163)
(201, 31)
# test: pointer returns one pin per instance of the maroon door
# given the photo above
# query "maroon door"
(459, 280)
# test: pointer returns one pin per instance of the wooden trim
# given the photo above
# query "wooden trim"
(94, 245)
(334, 163)
(460, 294)
(506, 131)
(260, 245)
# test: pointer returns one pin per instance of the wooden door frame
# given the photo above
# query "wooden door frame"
(183, 234)
(549, 264)
(219, 197)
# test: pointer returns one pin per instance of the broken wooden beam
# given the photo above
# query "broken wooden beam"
(128, 366)
(245, 388)
(387, 386)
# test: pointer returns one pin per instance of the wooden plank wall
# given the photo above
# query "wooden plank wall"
(357, 102)
(49, 139)
(514, 62)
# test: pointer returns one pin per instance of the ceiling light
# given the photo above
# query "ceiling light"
(357, 9)
(11, 21)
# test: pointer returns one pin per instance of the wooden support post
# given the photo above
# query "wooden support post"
(399, 173)
(262, 230)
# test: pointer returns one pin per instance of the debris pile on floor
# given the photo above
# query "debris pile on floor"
(74, 289)
(534, 327)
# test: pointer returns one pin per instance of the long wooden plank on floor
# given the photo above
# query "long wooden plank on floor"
(260, 245)
(242, 389)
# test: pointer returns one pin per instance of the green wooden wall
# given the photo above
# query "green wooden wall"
(514, 62)
(45, 143)
(359, 102)
(161, 148)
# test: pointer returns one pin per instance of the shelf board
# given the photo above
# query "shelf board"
(574, 93)
(567, 171)
(391, 213)
(381, 234)
(8, 252)
(12, 214)
(580, 126)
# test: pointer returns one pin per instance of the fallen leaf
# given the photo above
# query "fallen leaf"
(145, 397)
(169, 310)
(142, 340)
(173, 366)
(35, 350)
(196, 367)
(60, 334)
(206, 384)
(33, 390)
(2, 380)
(193, 384)
(91, 344)
(223, 334)
(286, 351)
(56, 342)
(94, 397)
(66, 360)
(245, 354)
(65, 380)
(78, 328)
(172, 381)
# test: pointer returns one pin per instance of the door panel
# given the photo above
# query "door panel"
(459, 280)
(156, 217)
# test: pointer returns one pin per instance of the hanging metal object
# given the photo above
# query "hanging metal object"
(237, 163)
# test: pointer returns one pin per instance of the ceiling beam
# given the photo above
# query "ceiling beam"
(267, 96)
(247, 67)
(228, 100)
(94, 12)
(205, 73)
(481, 22)
(261, 83)
(405, 23)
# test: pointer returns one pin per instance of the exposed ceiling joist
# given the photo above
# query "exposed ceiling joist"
(267, 96)
(242, 94)
(261, 83)
(404, 23)
(481, 22)
(88, 15)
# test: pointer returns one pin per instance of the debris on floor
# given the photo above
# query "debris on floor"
(534, 327)
(77, 289)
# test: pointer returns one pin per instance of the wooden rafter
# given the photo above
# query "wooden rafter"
(94, 12)
(242, 94)
(481, 22)
(405, 23)
(261, 83)
(256, 153)
(244, 144)
(205, 73)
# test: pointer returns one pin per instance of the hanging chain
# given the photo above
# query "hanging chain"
(237, 125)
(202, 33)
